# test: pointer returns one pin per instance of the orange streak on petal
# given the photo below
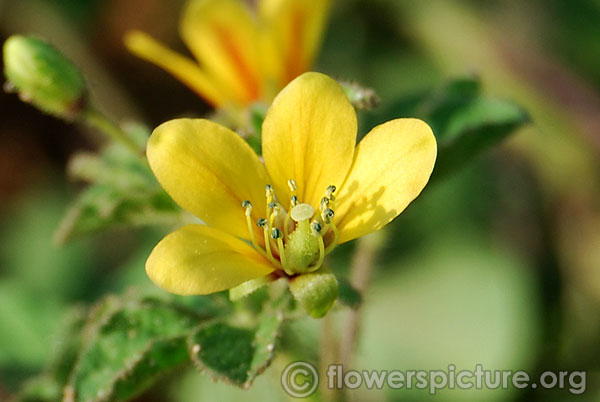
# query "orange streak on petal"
(294, 61)
(249, 79)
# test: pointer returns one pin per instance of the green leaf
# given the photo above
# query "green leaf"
(266, 337)
(103, 206)
(466, 123)
(122, 191)
(474, 129)
(223, 351)
(239, 355)
(42, 388)
(127, 346)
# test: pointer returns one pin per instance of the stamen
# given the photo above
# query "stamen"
(333, 244)
(270, 194)
(275, 210)
(276, 234)
(261, 222)
(248, 206)
(329, 194)
(327, 215)
(316, 229)
(264, 224)
(293, 203)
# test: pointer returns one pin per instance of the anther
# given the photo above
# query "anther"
(293, 203)
(316, 227)
(262, 222)
(292, 185)
(324, 202)
(327, 215)
(276, 234)
(329, 193)
(248, 205)
(272, 205)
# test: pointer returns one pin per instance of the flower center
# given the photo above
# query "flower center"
(294, 241)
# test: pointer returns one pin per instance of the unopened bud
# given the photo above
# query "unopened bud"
(43, 76)
(360, 97)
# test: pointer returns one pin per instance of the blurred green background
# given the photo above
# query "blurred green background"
(498, 264)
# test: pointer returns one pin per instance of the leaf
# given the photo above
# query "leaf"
(122, 191)
(473, 130)
(102, 206)
(128, 344)
(238, 355)
(266, 337)
(223, 351)
(42, 388)
(465, 122)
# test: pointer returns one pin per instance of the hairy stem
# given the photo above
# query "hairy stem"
(99, 121)
(360, 275)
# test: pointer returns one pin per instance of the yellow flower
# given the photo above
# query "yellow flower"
(243, 55)
(315, 189)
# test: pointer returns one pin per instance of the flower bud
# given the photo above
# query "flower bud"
(43, 76)
(316, 291)
(362, 98)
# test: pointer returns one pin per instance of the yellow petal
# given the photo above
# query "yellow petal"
(296, 27)
(208, 170)
(391, 166)
(198, 260)
(223, 37)
(309, 135)
(184, 69)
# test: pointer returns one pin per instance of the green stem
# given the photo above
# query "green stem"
(363, 263)
(99, 121)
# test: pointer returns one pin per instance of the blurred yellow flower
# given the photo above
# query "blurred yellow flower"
(282, 215)
(243, 54)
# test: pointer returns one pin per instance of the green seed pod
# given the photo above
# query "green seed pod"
(316, 291)
(43, 76)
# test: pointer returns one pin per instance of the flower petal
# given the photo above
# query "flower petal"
(208, 170)
(223, 37)
(391, 166)
(309, 135)
(181, 67)
(199, 260)
(296, 27)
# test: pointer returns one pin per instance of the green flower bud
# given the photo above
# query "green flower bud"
(316, 291)
(43, 76)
